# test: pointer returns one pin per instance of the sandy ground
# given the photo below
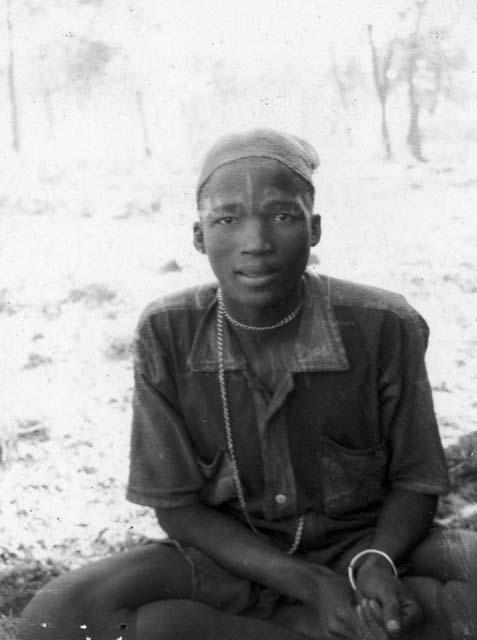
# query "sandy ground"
(76, 276)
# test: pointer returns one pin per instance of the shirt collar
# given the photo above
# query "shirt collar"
(318, 346)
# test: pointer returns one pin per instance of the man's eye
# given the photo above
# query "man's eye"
(282, 216)
(227, 220)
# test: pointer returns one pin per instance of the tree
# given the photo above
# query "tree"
(144, 127)
(339, 80)
(87, 61)
(414, 136)
(11, 81)
(381, 83)
(442, 57)
(426, 64)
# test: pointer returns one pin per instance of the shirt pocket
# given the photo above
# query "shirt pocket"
(219, 480)
(353, 480)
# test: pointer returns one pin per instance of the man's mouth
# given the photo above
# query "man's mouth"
(257, 277)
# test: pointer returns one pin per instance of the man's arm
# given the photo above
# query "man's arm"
(416, 470)
(332, 612)
(403, 522)
(230, 543)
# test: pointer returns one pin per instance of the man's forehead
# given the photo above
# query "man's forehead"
(260, 177)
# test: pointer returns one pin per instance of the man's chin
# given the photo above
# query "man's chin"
(258, 297)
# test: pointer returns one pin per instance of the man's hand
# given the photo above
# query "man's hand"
(333, 600)
(384, 600)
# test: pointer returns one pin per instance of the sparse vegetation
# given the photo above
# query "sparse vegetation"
(95, 222)
(92, 295)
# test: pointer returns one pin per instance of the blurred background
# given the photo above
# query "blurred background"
(107, 108)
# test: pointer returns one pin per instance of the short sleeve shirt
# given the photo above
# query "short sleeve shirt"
(352, 418)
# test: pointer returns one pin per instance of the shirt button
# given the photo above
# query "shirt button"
(280, 498)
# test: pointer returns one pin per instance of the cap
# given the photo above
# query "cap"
(297, 154)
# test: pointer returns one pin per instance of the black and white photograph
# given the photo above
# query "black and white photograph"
(238, 320)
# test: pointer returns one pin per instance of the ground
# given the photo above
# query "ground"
(78, 274)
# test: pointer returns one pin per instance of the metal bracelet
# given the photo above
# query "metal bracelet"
(361, 554)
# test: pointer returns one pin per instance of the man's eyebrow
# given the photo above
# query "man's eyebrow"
(276, 201)
(281, 199)
(226, 207)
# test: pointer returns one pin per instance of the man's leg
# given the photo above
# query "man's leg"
(187, 620)
(444, 580)
(143, 594)
(99, 598)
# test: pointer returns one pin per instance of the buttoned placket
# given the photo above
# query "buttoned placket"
(279, 478)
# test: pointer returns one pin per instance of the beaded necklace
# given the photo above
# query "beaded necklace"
(221, 314)
(250, 327)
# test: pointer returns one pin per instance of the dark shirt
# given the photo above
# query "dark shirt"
(351, 418)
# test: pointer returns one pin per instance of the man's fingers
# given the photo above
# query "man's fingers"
(369, 622)
(392, 616)
(345, 623)
(363, 630)
(412, 614)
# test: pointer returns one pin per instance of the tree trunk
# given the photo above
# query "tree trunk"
(48, 109)
(381, 84)
(342, 92)
(385, 132)
(11, 81)
(142, 118)
(338, 81)
(414, 135)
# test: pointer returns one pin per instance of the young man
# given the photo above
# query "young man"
(284, 433)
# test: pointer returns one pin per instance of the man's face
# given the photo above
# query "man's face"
(256, 226)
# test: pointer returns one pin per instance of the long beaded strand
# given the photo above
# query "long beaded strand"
(228, 429)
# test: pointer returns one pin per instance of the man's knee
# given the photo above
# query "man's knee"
(459, 601)
(447, 554)
(460, 554)
(66, 602)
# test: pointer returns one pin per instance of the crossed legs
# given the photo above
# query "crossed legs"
(143, 594)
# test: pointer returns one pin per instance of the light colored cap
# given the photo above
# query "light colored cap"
(297, 154)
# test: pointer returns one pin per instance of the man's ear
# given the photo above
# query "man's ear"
(315, 229)
(199, 237)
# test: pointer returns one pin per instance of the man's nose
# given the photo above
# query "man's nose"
(256, 237)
